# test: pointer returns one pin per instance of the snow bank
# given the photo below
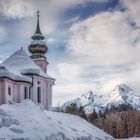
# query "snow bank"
(29, 121)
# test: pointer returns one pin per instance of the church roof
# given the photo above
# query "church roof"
(4, 73)
(20, 63)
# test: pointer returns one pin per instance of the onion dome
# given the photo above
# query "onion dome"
(38, 45)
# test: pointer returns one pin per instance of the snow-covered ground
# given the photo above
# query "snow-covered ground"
(28, 121)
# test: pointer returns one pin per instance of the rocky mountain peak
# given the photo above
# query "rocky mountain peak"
(88, 95)
(122, 88)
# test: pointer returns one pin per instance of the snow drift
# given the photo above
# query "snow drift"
(29, 121)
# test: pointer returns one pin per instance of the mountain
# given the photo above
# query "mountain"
(122, 94)
(29, 121)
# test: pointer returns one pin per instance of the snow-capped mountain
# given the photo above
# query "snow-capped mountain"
(121, 94)
(29, 121)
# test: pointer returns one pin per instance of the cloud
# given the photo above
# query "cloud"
(132, 9)
(25, 8)
(105, 42)
(69, 71)
(106, 49)
(16, 8)
(51, 12)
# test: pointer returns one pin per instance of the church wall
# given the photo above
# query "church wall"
(11, 91)
(42, 64)
(38, 82)
(2, 91)
(46, 93)
(22, 91)
(17, 91)
(8, 95)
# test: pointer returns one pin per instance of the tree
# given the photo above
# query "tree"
(75, 110)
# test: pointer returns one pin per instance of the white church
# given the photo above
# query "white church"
(25, 77)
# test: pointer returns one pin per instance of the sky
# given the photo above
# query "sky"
(93, 44)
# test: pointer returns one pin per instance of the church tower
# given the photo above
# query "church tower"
(38, 48)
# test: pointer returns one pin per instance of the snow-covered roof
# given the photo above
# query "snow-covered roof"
(15, 77)
(19, 62)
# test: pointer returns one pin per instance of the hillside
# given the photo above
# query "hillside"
(117, 113)
(28, 121)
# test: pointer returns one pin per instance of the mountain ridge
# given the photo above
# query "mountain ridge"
(121, 94)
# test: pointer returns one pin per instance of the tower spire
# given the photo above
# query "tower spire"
(38, 48)
(38, 35)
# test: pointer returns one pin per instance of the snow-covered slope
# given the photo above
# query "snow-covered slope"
(121, 94)
(28, 121)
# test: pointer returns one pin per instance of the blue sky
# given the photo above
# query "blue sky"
(93, 44)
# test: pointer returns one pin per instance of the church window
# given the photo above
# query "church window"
(9, 91)
(25, 92)
(39, 94)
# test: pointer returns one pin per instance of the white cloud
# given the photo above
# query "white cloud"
(16, 8)
(133, 9)
(107, 38)
(25, 8)
(69, 71)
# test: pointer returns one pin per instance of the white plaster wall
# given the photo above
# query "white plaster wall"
(21, 93)
(0, 92)
(46, 91)
(15, 92)
(34, 90)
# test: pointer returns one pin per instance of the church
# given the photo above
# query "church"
(26, 77)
